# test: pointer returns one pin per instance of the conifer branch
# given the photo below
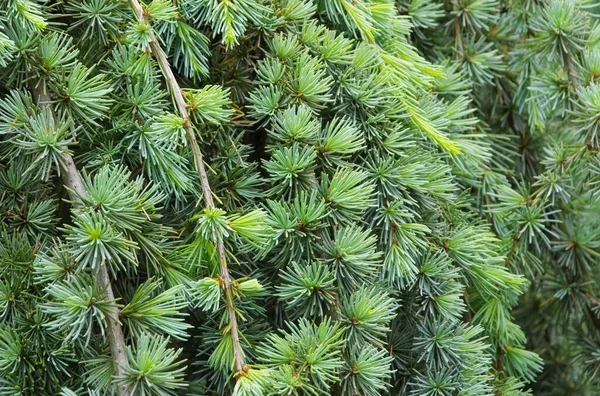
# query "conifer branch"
(114, 333)
(514, 244)
(180, 103)
(331, 194)
(568, 64)
(458, 40)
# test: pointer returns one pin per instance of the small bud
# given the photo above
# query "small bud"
(250, 286)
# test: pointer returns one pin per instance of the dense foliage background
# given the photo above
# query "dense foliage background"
(299, 197)
(534, 66)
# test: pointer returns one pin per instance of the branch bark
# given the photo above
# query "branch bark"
(114, 333)
(570, 68)
(180, 104)
(460, 49)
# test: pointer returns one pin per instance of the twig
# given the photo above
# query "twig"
(513, 247)
(180, 103)
(114, 333)
(568, 63)
(458, 32)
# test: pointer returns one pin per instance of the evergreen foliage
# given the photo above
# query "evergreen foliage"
(299, 197)
(534, 69)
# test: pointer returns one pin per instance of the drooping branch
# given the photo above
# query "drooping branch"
(114, 333)
(180, 103)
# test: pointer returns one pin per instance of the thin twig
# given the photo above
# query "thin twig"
(460, 50)
(114, 333)
(514, 245)
(569, 67)
(180, 103)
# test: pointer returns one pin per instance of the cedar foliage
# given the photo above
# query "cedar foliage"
(296, 197)
(534, 66)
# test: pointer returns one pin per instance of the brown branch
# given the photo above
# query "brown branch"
(515, 243)
(180, 103)
(568, 64)
(458, 32)
(114, 333)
